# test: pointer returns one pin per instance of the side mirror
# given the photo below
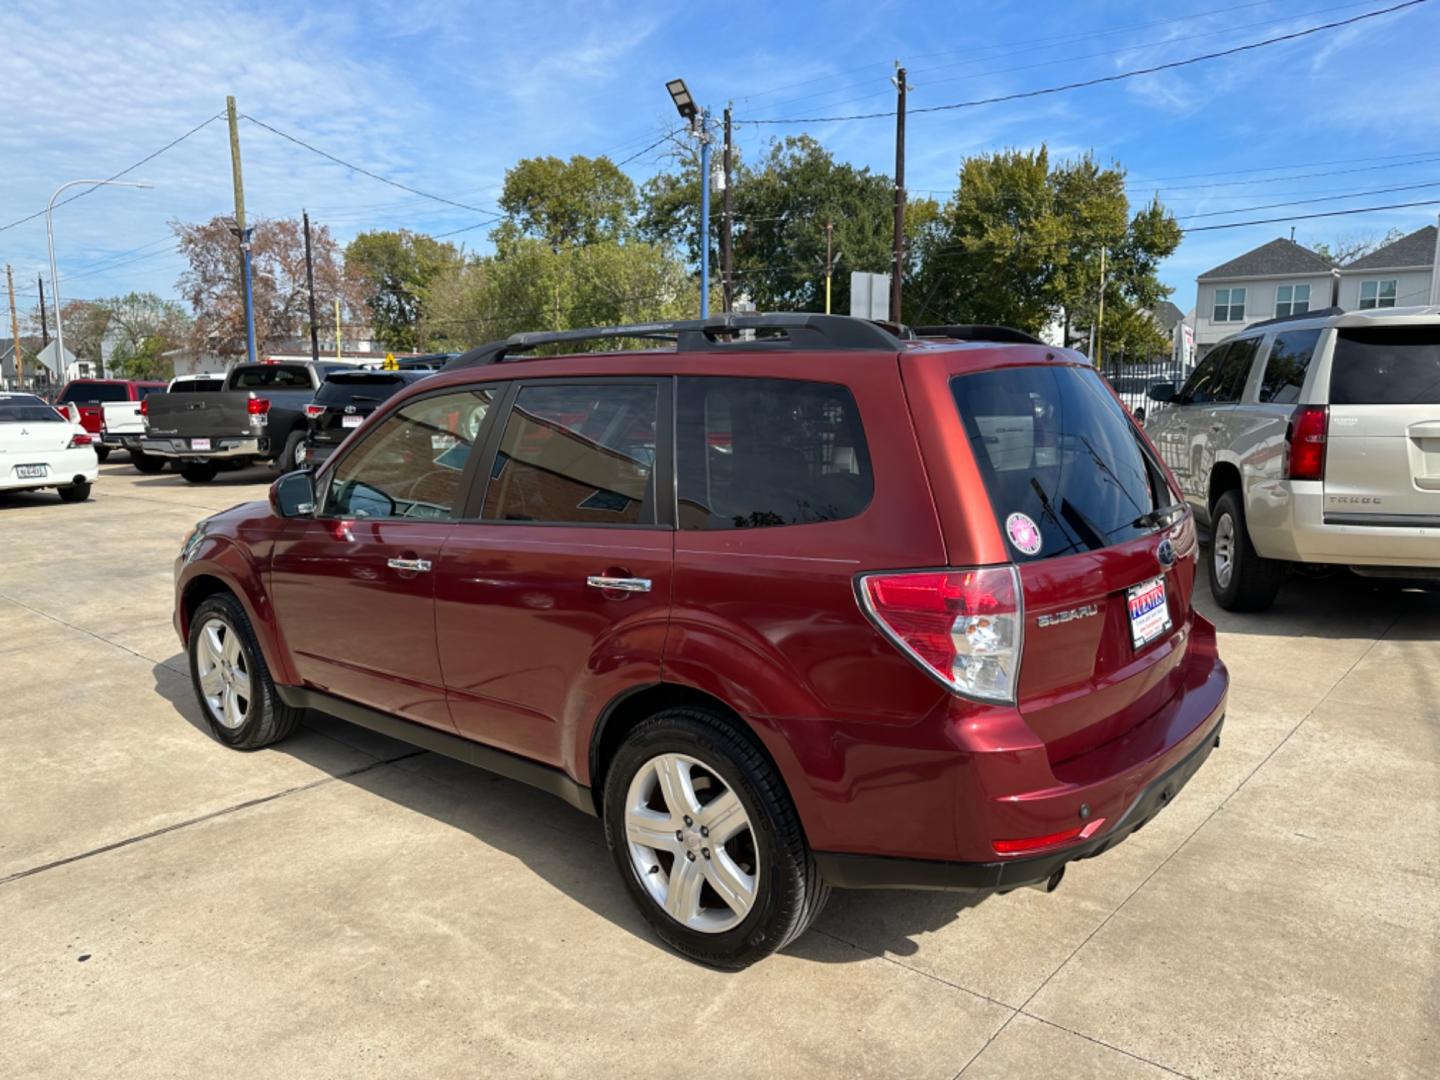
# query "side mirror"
(293, 495)
(1162, 392)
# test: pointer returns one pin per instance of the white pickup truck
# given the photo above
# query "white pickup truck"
(124, 423)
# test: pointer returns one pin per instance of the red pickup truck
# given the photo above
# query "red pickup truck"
(90, 395)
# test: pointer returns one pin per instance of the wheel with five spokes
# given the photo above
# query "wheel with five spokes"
(232, 683)
(707, 839)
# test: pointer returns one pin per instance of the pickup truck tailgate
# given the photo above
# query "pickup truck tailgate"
(215, 414)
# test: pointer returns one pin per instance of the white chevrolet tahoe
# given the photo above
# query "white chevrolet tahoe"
(1312, 439)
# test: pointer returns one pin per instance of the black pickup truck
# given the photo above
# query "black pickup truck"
(258, 416)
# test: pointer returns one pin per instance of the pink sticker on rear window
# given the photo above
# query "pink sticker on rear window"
(1023, 533)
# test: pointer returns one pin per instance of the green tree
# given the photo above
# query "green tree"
(393, 268)
(144, 328)
(580, 201)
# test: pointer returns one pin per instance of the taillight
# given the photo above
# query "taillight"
(960, 626)
(257, 406)
(144, 406)
(80, 439)
(1306, 436)
(314, 412)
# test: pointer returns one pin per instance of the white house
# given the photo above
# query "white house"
(1278, 278)
(1400, 274)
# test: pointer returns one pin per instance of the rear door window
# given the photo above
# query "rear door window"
(1386, 365)
(756, 453)
(1285, 369)
(1062, 463)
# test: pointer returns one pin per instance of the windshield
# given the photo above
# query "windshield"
(26, 408)
(1062, 463)
(1386, 365)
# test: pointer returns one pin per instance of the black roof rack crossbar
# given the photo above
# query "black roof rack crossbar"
(979, 332)
(1315, 313)
(802, 330)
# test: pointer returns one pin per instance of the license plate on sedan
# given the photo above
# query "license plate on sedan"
(351, 421)
(199, 444)
(1149, 611)
(31, 472)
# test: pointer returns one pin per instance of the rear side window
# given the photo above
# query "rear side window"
(367, 389)
(1229, 381)
(1062, 463)
(88, 392)
(577, 455)
(764, 452)
(1285, 369)
(1386, 365)
(271, 377)
(142, 392)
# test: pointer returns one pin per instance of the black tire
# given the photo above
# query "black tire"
(266, 719)
(789, 892)
(146, 463)
(288, 461)
(102, 452)
(74, 492)
(199, 472)
(1252, 581)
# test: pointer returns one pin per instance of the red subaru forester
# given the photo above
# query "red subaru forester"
(798, 602)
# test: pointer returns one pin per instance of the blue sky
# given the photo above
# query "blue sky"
(445, 95)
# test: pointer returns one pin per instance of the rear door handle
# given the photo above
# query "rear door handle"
(619, 584)
(419, 566)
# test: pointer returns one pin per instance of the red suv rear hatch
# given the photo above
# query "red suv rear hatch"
(1083, 507)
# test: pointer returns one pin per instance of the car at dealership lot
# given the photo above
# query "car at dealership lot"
(795, 604)
(343, 402)
(91, 396)
(41, 447)
(1312, 439)
(131, 431)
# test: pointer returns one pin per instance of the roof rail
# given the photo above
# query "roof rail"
(802, 330)
(1318, 313)
(979, 332)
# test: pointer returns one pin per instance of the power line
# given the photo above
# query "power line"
(1306, 217)
(1117, 77)
(128, 169)
(652, 146)
(1303, 202)
(376, 176)
(1430, 160)
(1274, 168)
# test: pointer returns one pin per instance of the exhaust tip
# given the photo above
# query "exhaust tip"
(1055, 879)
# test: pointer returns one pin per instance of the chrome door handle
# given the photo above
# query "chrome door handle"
(619, 584)
(418, 565)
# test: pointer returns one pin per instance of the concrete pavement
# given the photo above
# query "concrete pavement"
(343, 905)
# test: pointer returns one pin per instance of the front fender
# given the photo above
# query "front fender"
(221, 559)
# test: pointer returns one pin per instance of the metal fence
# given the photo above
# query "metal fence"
(1132, 380)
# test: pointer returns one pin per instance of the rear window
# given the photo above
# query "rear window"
(367, 387)
(1386, 365)
(270, 377)
(88, 392)
(199, 386)
(27, 409)
(763, 452)
(1062, 463)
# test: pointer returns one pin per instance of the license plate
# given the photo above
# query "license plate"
(30, 472)
(1149, 613)
(199, 444)
(351, 421)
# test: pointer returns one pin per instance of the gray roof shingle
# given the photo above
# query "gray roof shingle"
(1279, 256)
(1416, 249)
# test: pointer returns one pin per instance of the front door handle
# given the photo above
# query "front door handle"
(619, 584)
(418, 566)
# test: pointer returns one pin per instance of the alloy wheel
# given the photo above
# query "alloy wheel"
(1222, 550)
(224, 672)
(691, 843)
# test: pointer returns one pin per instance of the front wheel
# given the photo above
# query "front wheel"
(231, 680)
(707, 840)
(1240, 579)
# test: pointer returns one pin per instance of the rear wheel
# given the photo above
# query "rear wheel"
(102, 452)
(199, 472)
(231, 680)
(146, 463)
(75, 492)
(1240, 580)
(293, 456)
(707, 840)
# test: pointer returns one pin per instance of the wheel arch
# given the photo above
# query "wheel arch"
(210, 575)
(1225, 476)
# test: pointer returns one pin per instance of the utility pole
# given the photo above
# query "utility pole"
(15, 331)
(44, 326)
(240, 230)
(726, 269)
(1100, 317)
(829, 261)
(310, 287)
(337, 328)
(898, 268)
(702, 131)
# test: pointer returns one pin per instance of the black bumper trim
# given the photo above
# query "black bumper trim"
(850, 871)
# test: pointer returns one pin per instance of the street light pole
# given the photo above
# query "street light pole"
(55, 275)
(704, 136)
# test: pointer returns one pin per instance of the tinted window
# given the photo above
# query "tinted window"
(368, 388)
(1229, 382)
(1389, 365)
(1197, 387)
(270, 377)
(761, 452)
(198, 386)
(583, 455)
(88, 392)
(28, 409)
(411, 464)
(1061, 461)
(1285, 369)
(142, 392)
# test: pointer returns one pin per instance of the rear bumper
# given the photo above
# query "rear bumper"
(1307, 531)
(222, 448)
(849, 871)
(63, 468)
